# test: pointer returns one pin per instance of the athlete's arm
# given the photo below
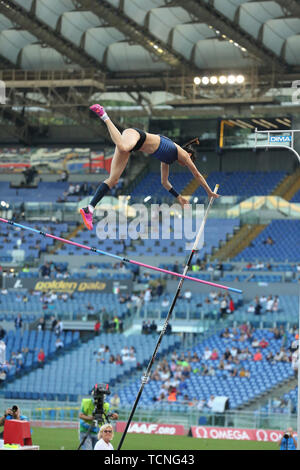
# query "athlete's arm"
(164, 172)
(197, 175)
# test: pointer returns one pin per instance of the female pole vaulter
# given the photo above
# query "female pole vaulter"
(157, 146)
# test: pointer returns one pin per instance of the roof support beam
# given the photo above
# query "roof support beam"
(136, 33)
(19, 127)
(46, 35)
(291, 7)
(206, 12)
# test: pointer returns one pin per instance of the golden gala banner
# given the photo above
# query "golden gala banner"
(70, 285)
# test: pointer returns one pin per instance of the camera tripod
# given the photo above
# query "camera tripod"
(97, 421)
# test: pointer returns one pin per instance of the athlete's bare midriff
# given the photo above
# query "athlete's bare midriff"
(151, 143)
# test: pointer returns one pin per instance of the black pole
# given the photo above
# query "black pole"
(147, 374)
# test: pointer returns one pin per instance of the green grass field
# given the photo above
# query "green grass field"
(67, 439)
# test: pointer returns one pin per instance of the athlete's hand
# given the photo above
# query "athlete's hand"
(182, 201)
(212, 194)
(114, 416)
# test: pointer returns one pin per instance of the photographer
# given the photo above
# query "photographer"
(93, 414)
(288, 441)
(12, 413)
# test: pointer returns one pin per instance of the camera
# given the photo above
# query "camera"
(286, 435)
(98, 393)
(14, 408)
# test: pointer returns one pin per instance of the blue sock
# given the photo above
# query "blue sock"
(102, 189)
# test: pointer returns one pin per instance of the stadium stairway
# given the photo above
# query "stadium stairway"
(241, 239)
(289, 186)
(70, 236)
(276, 392)
(191, 187)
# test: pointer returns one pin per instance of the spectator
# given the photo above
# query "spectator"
(257, 356)
(45, 270)
(260, 265)
(263, 343)
(2, 332)
(187, 295)
(269, 241)
(210, 402)
(97, 327)
(207, 353)
(214, 355)
(231, 305)
(269, 305)
(118, 360)
(2, 376)
(227, 354)
(53, 323)
(201, 404)
(41, 324)
(115, 402)
(59, 344)
(275, 305)
(2, 352)
(281, 356)
(59, 328)
(223, 307)
(112, 359)
(41, 358)
(147, 295)
(244, 373)
(153, 327)
(18, 322)
(172, 394)
(165, 303)
(258, 307)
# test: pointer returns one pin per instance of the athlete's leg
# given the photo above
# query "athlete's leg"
(125, 141)
(118, 165)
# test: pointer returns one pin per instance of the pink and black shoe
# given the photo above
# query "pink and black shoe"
(87, 217)
(100, 111)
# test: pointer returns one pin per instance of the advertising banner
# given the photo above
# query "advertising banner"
(70, 285)
(152, 428)
(237, 434)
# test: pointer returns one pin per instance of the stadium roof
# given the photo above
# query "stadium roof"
(150, 35)
(149, 51)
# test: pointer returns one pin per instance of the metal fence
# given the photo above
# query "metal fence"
(68, 412)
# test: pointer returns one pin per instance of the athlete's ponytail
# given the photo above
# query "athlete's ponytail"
(189, 147)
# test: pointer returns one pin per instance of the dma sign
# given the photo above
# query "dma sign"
(280, 139)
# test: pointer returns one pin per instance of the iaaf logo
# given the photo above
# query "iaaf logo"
(280, 138)
(151, 429)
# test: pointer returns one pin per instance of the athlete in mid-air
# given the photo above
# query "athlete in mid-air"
(157, 146)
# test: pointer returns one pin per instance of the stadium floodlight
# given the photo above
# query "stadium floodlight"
(205, 80)
(240, 79)
(213, 80)
(232, 79)
(197, 80)
(223, 79)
